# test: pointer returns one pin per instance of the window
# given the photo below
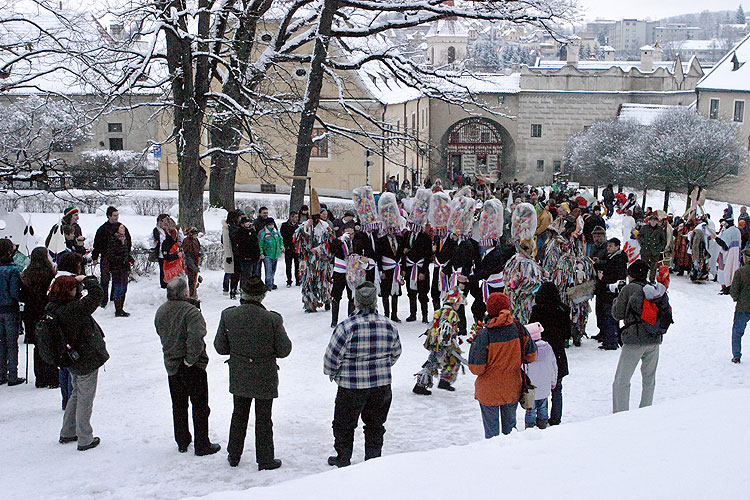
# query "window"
(540, 165)
(451, 54)
(739, 111)
(413, 123)
(320, 146)
(115, 144)
(398, 131)
(557, 166)
(536, 130)
(114, 128)
(713, 112)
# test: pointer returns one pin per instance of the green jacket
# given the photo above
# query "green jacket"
(652, 240)
(271, 243)
(181, 328)
(740, 289)
(253, 338)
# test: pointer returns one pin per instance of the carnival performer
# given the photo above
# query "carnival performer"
(313, 241)
(681, 258)
(443, 344)
(729, 258)
(522, 275)
(341, 249)
(390, 252)
(417, 258)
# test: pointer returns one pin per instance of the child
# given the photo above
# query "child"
(191, 248)
(271, 245)
(442, 342)
(543, 375)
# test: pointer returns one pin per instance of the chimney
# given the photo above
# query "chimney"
(658, 54)
(609, 53)
(647, 59)
(571, 51)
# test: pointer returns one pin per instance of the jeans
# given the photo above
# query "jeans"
(291, 258)
(247, 270)
(738, 330)
(557, 404)
(77, 418)
(66, 385)
(373, 405)
(119, 284)
(9, 346)
(630, 355)
(190, 384)
(537, 413)
(264, 451)
(606, 322)
(493, 415)
(269, 268)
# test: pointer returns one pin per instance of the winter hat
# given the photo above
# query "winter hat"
(452, 296)
(62, 288)
(742, 223)
(535, 330)
(598, 230)
(497, 302)
(270, 221)
(596, 208)
(70, 211)
(614, 241)
(254, 288)
(638, 270)
(653, 217)
(366, 295)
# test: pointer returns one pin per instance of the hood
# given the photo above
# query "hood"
(654, 291)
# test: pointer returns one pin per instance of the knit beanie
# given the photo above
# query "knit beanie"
(70, 211)
(638, 270)
(497, 302)
(366, 295)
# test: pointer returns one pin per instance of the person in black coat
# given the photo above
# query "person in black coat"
(101, 246)
(609, 271)
(120, 260)
(555, 318)
(364, 244)
(246, 249)
(591, 222)
(390, 251)
(341, 248)
(442, 249)
(465, 257)
(290, 255)
(416, 266)
(489, 270)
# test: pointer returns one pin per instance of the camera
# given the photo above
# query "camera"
(616, 287)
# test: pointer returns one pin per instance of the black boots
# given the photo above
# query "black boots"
(394, 309)
(209, 450)
(421, 390)
(424, 312)
(119, 311)
(270, 465)
(335, 313)
(412, 309)
(338, 461)
(386, 307)
(443, 384)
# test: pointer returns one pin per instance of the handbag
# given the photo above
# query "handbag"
(526, 398)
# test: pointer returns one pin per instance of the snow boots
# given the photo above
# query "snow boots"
(412, 309)
(443, 384)
(337, 461)
(119, 311)
(421, 390)
(335, 313)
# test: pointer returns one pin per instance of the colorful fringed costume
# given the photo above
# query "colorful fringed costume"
(313, 245)
(443, 344)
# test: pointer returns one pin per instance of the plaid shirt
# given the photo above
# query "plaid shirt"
(362, 350)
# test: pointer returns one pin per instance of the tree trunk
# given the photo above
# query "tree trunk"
(643, 200)
(596, 190)
(312, 100)
(192, 177)
(687, 202)
(224, 135)
(666, 200)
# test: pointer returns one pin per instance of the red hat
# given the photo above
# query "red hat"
(61, 288)
(497, 302)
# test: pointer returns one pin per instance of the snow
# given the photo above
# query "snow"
(724, 77)
(641, 452)
(644, 114)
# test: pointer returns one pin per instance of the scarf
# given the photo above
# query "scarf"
(502, 319)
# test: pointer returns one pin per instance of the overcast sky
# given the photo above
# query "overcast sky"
(654, 9)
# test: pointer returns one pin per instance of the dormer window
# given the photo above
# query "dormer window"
(736, 64)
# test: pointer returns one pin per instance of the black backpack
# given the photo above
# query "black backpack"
(51, 342)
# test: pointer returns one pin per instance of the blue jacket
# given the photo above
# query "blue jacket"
(10, 283)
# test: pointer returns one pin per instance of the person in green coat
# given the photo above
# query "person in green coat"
(253, 338)
(271, 245)
(740, 292)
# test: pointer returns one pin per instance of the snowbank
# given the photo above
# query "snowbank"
(666, 451)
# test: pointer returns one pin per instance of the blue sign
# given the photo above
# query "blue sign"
(157, 151)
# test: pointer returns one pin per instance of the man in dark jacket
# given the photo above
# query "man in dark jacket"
(101, 245)
(637, 343)
(609, 271)
(290, 254)
(181, 328)
(253, 338)
(590, 222)
(359, 357)
(599, 249)
(83, 333)
(740, 292)
(246, 249)
(417, 258)
(608, 197)
(653, 239)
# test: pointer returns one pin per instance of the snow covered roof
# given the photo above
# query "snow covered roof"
(731, 73)
(712, 44)
(447, 27)
(644, 114)
(604, 65)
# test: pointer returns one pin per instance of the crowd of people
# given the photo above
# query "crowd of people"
(531, 259)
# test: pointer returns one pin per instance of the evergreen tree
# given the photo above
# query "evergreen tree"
(740, 15)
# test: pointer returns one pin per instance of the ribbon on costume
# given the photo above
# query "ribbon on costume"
(494, 281)
(391, 265)
(339, 265)
(414, 274)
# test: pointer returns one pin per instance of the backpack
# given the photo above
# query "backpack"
(656, 315)
(50, 340)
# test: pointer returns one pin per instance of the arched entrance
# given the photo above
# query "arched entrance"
(477, 146)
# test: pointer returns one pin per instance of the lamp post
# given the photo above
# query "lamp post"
(368, 164)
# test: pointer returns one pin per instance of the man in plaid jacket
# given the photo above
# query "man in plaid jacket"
(359, 357)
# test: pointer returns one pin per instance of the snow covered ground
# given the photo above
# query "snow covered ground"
(677, 446)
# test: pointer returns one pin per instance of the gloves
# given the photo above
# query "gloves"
(229, 260)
